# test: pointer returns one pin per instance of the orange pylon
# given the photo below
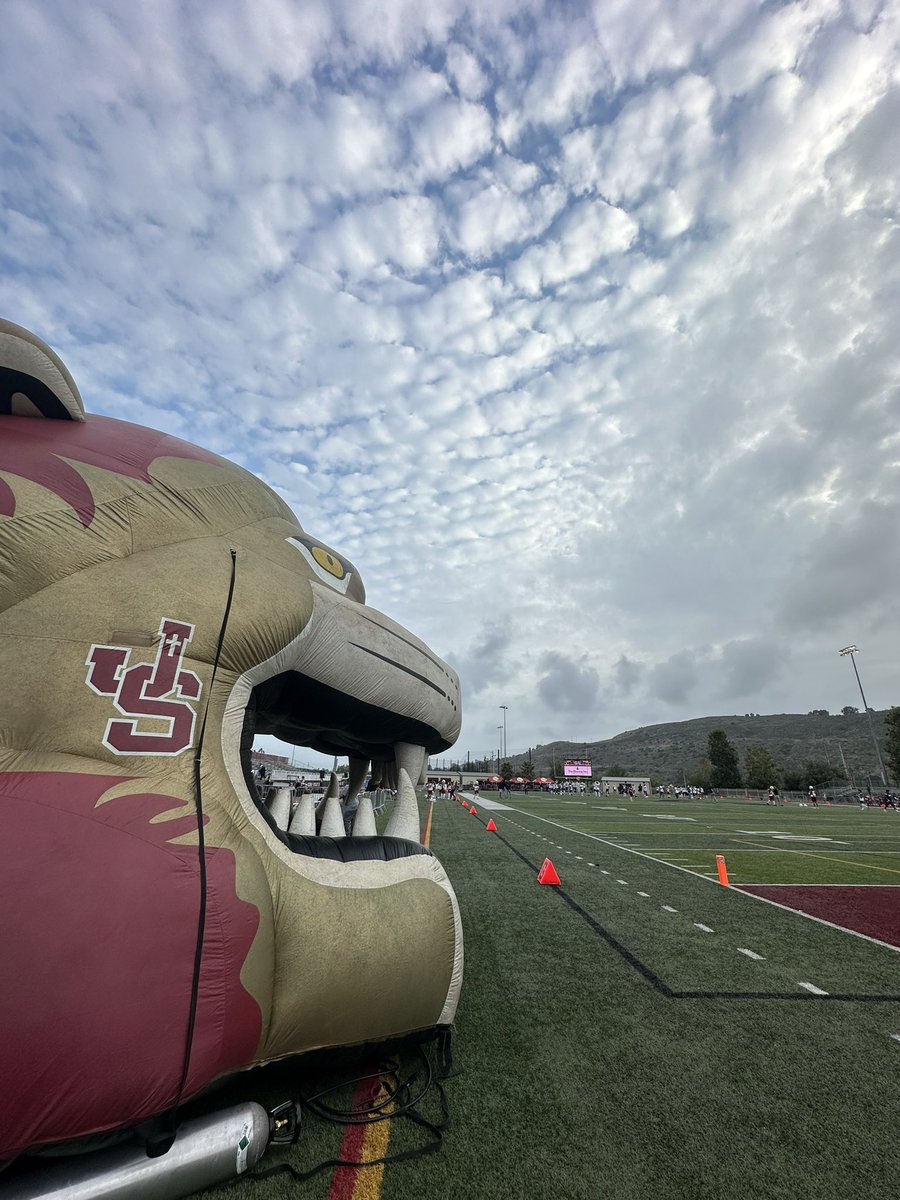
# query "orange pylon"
(465, 804)
(720, 867)
(490, 827)
(474, 811)
(547, 873)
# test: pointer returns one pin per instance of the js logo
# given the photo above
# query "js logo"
(160, 690)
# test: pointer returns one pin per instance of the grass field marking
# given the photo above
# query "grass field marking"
(666, 817)
(849, 862)
(624, 882)
(712, 879)
(659, 984)
(705, 928)
(806, 837)
(602, 872)
(821, 885)
(896, 1037)
(750, 954)
(669, 908)
(811, 987)
(647, 894)
(615, 845)
(819, 920)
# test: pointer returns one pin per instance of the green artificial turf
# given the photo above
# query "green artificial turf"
(583, 1075)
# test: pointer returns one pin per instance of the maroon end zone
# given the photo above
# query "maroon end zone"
(874, 911)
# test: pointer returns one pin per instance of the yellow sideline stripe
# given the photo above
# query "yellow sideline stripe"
(368, 1182)
(426, 836)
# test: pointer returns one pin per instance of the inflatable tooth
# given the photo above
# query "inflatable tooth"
(159, 608)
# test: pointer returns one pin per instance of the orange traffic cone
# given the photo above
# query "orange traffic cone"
(491, 827)
(547, 873)
(720, 867)
(465, 804)
(474, 811)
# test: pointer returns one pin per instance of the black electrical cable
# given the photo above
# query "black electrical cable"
(373, 1112)
(407, 1111)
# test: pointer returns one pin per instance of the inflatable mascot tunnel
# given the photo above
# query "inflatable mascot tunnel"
(159, 927)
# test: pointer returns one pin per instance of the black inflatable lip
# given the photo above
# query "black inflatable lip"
(305, 712)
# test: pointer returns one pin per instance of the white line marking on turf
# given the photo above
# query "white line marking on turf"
(750, 954)
(666, 817)
(712, 879)
(669, 908)
(602, 872)
(896, 1037)
(811, 987)
(705, 928)
(647, 894)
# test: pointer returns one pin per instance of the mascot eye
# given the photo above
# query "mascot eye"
(330, 568)
(327, 560)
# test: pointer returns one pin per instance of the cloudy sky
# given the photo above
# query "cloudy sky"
(576, 327)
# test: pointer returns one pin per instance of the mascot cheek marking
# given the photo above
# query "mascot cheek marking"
(82, 984)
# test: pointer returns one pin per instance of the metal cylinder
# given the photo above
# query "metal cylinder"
(206, 1151)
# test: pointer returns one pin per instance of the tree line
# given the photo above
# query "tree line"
(722, 769)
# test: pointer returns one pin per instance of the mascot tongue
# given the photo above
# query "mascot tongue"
(160, 607)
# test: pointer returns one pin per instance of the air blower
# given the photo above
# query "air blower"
(207, 1150)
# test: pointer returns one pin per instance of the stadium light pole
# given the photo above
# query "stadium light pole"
(505, 745)
(852, 651)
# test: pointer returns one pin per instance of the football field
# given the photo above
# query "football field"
(641, 1030)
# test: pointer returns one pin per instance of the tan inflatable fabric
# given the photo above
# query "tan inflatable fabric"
(161, 928)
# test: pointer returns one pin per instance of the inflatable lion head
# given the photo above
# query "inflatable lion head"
(159, 607)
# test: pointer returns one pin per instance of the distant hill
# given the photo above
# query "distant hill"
(670, 753)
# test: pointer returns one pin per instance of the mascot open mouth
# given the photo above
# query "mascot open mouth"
(355, 684)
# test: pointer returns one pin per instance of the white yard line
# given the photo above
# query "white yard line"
(705, 928)
(647, 894)
(811, 987)
(712, 879)
(623, 881)
(669, 908)
(750, 954)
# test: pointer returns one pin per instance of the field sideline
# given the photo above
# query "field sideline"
(641, 1030)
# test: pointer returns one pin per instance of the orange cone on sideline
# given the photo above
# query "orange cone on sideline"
(474, 811)
(465, 804)
(547, 873)
(491, 827)
(720, 867)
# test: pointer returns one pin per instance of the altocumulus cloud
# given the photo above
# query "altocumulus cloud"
(573, 326)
